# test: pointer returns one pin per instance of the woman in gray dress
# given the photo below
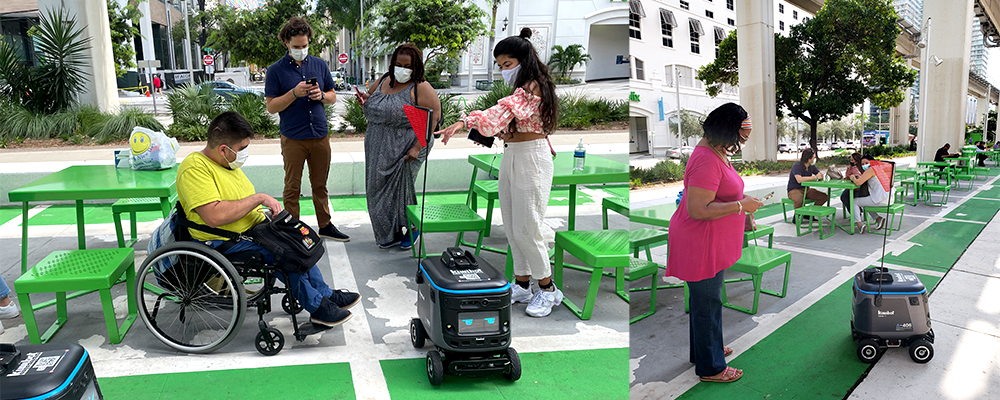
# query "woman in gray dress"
(393, 156)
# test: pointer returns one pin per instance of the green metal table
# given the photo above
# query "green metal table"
(658, 215)
(92, 182)
(845, 184)
(948, 166)
(596, 170)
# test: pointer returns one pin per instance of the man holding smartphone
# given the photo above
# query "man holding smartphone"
(297, 87)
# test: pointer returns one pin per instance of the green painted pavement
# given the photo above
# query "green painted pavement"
(992, 193)
(812, 356)
(975, 210)
(584, 374)
(316, 381)
(9, 213)
(939, 246)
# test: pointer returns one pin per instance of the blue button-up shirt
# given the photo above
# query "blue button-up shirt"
(304, 118)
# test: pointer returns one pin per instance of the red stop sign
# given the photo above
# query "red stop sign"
(208, 60)
(342, 58)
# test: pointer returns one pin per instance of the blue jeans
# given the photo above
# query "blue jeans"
(309, 288)
(706, 325)
(4, 290)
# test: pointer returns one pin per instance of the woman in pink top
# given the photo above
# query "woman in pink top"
(706, 235)
(523, 121)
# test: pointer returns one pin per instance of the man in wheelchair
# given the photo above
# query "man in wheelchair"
(213, 191)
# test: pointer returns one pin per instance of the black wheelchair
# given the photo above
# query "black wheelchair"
(194, 299)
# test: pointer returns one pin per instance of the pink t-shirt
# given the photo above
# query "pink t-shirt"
(699, 249)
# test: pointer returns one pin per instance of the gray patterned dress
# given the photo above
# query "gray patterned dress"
(389, 179)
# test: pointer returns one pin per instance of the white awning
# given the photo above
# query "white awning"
(635, 7)
(667, 17)
(696, 26)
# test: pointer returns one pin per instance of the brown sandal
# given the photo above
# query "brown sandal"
(727, 375)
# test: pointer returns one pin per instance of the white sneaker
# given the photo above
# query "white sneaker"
(541, 305)
(520, 295)
(10, 311)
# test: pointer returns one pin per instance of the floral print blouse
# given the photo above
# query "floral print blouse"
(520, 106)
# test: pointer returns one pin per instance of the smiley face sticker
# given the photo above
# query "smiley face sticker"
(139, 142)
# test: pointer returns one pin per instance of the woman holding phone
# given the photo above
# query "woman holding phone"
(708, 226)
(393, 155)
(523, 121)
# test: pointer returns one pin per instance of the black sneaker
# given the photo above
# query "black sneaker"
(344, 298)
(331, 232)
(329, 315)
(392, 243)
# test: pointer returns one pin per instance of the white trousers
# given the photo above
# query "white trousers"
(867, 202)
(525, 184)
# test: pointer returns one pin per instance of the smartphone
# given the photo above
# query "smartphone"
(311, 81)
(766, 198)
(477, 137)
(357, 92)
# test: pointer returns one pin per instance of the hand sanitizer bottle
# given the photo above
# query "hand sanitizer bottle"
(579, 155)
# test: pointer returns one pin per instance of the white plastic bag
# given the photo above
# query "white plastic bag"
(152, 150)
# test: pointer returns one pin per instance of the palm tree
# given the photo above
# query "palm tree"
(566, 59)
(494, 4)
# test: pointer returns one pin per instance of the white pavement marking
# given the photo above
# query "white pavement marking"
(15, 223)
(797, 249)
(686, 380)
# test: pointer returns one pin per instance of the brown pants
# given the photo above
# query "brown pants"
(813, 194)
(315, 152)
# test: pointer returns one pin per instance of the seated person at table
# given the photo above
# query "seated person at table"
(213, 191)
(854, 170)
(942, 154)
(996, 146)
(878, 196)
(805, 171)
(981, 153)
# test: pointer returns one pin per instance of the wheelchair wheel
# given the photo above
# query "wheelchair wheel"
(290, 305)
(190, 297)
(269, 341)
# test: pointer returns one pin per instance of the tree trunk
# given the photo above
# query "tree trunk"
(489, 51)
(812, 136)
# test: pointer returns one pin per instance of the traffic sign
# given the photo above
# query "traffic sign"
(342, 58)
(208, 60)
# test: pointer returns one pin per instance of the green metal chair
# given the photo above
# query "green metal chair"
(132, 206)
(819, 212)
(892, 224)
(786, 202)
(597, 250)
(441, 218)
(617, 204)
(762, 230)
(90, 270)
(489, 190)
(929, 199)
(638, 269)
(755, 261)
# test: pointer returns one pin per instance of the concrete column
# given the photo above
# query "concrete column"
(92, 16)
(982, 107)
(900, 127)
(944, 85)
(755, 29)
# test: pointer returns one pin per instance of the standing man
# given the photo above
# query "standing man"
(304, 132)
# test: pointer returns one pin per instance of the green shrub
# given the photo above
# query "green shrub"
(565, 80)
(451, 111)
(355, 116)
(663, 171)
(253, 108)
(576, 110)
(192, 109)
(118, 127)
(18, 123)
(445, 84)
(499, 90)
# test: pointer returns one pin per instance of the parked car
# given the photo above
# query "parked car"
(785, 147)
(851, 145)
(226, 90)
(837, 145)
(803, 146)
(823, 146)
(676, 152)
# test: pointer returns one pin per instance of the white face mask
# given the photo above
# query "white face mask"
(510, 75)
(402, 75)
(299, 54)
(241, 157)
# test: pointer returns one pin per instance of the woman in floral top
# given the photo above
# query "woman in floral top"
(523, 121)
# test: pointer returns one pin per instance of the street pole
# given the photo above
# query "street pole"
(361, 3)
(680, 120)
(187, 46)
(149, 72)
(170, 36)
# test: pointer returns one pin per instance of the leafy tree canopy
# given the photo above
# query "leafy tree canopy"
(829, 64)
(124, 23)
(438, 27)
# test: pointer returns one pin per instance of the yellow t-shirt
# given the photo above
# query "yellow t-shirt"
(202, 181)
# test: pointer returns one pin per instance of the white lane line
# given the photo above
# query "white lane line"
(369, 381)
(797, 249)
(15, 223)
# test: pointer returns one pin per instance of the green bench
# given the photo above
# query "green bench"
(445, 218)
(132, 206)
(597, 250)
(84, 270)
(817, 212)
(755, 261)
